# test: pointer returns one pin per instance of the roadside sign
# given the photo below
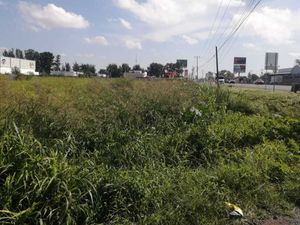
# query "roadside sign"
(271, 62)
(239, 64)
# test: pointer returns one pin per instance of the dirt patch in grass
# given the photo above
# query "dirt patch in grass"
(284, 220)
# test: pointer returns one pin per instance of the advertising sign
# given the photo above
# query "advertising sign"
(239, 65)
(182, 62)
(271, 61)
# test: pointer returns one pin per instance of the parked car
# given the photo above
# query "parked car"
(259, 81)
(232, 82)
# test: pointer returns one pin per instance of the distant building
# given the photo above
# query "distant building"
(287, 76)
(8, 64)
(135, 74)
(170, 75)
(66, 73)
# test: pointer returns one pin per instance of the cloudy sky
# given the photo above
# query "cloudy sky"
(120, 31)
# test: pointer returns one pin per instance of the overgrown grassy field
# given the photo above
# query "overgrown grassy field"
(88, 151)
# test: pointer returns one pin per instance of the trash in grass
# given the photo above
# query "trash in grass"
(235, 211)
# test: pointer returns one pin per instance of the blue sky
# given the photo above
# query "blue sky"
(119, 31)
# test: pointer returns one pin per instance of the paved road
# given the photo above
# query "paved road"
(263, 87)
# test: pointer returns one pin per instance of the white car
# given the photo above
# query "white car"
(221, 80)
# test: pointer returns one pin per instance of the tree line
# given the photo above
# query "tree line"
(154, 69)
(47, 62)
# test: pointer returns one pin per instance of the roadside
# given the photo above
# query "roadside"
(263, 87)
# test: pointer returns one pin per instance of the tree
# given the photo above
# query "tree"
(297, 62)
(170, 67)
(11, 53)
(113, 70)
(226, 74)
(76, 67)
(56, 64)
(19, 54)
(30, 54)
(103, 71)
(46, 61)
(252, 77)
(88, 70)
(125, 68)
(68, 67)
(178, 68)
(63, 67)
(136, 67)
(5, 53)
(156, 69)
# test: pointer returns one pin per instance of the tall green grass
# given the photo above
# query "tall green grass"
(90, 151)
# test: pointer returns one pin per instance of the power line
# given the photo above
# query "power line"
(234, 31)
(231, 42)
(205, 47)
(239, 26)
(231, 22)
(244, 13)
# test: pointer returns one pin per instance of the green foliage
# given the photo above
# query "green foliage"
(91, 151)
(156, 69)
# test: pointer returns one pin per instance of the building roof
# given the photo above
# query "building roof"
(287, 71)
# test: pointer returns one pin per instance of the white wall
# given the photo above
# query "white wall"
(26, 66)
(4, 70)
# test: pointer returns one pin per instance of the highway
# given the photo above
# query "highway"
(262, 87)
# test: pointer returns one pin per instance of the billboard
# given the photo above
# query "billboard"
(271, 61)
(182, 62)
(240, 60)
(239, 64)
(239, 68)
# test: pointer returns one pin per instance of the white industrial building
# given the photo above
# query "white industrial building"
(27, 67)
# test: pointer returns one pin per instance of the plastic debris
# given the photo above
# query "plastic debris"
(235, 211)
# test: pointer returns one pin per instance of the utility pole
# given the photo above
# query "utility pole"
(197, 58)
(217, 67)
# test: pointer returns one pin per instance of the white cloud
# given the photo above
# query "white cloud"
(173, 18)
(275, 26)
(50, 16)
(125, 24)
(194, 38)
(295, 54)
(99, 40)
(168, 12)
(85, 55)
(250, 46)
(133, 44)
(190, 40)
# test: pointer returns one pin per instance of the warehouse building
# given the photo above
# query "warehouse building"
(287, 76)
(27, 67)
